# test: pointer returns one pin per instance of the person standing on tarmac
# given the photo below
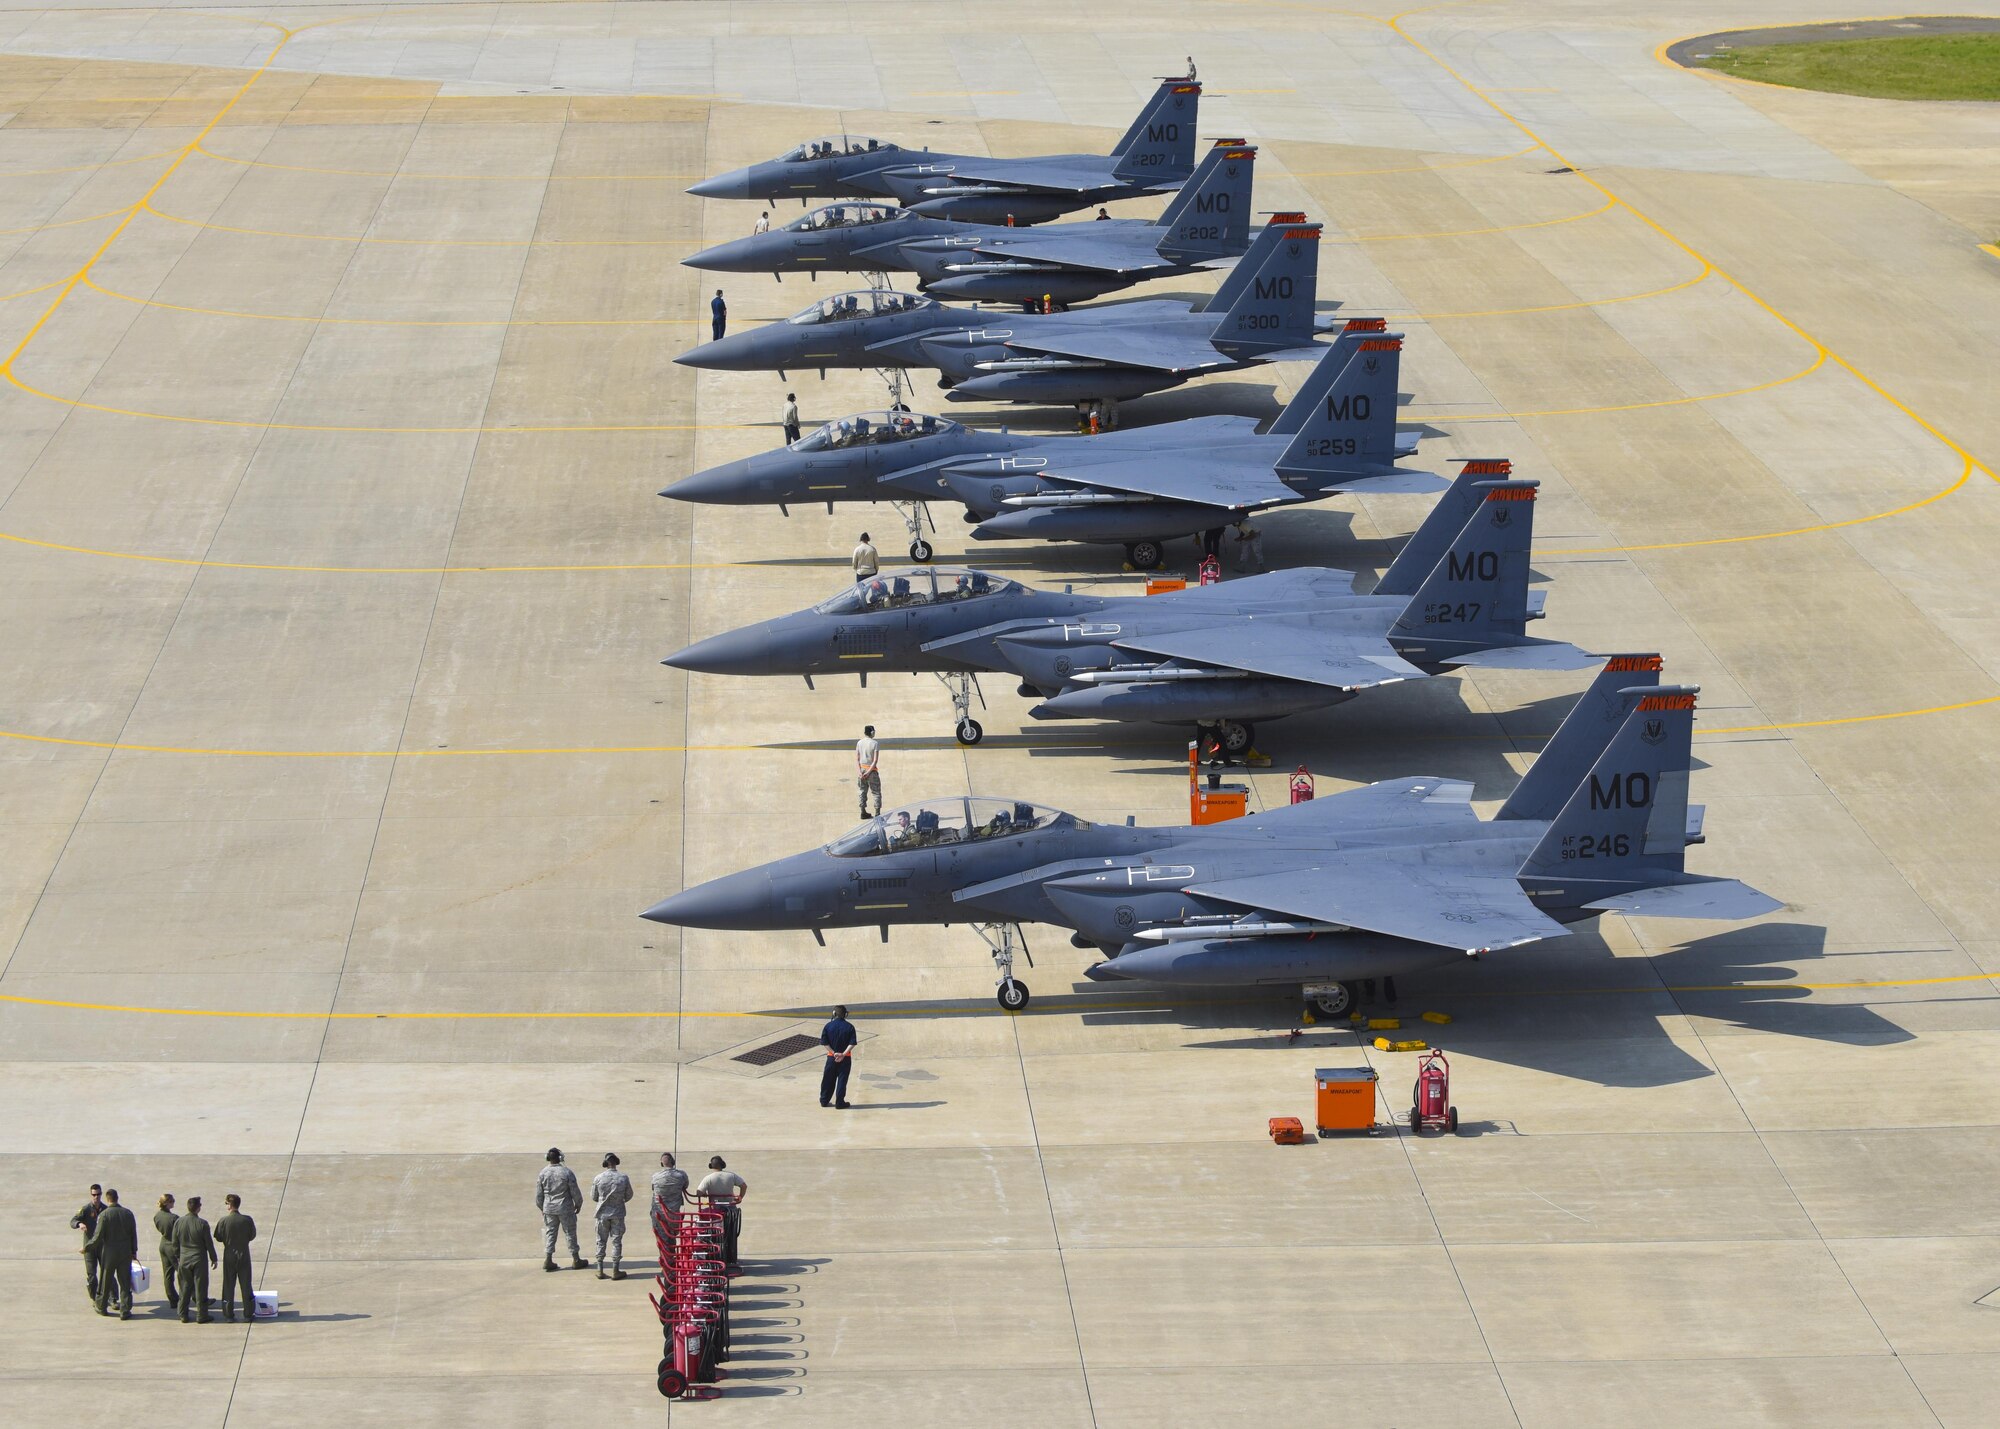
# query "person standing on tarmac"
(194, 1250)
(670, 1183)
(868, 768)
(85, 1220)
(163, 1222)
(838, 1037)
(762, 225)
(726, 1189)
(718, 317)
(558, 1198)
(867, 562)
(791, 418)
(114, 1244)
(233, 1232)
(612, 1191)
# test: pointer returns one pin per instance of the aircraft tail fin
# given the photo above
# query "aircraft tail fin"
(1210, 216)
(1306, 401)
(1252, 259)
(1159, 147)
(1274, 309)
(1477, 596)
(1582, 737)
(1432, 538)
(1626, 819)
(1352, 424)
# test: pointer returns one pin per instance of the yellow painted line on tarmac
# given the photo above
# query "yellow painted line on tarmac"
(99, 288)
(1413, 168)
(208, 153)
(1818, 362)
(1685, 283)
(87, 168)
(1080, 1007)
(1604, 207)
(1992, 249)
(29, 292)
(64, 223)
(425, 242)
(1395, 24)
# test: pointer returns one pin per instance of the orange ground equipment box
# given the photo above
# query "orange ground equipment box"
(1346, 1099)
(1288, 1131)
(1211, 801)
(1160, 585)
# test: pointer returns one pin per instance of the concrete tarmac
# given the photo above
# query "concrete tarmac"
(336, 760)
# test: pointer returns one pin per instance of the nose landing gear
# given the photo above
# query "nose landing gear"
(1000, 939)
(963, 686)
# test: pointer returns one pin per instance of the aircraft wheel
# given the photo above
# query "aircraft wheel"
(969, 732)
(920, 550)
(1238, 736)
(1336, 1003)
(1013, 995)
(1145, 555)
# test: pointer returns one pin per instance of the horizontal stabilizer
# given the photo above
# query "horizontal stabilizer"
(1543, 655)
(1398, 481)
(1723, 899)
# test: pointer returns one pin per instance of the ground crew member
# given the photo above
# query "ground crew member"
(85, 1220)
(726, 1189)
(1249, 547)
(866, 561)
(163, 1222)
(612, 1190)
(867, 768)
(234, 1232)
(763, 223)
(114, 1245)
(1190, 73)
(194, 1253)
(838, 1038)
(718, 316)
(1104, 213)
(791, 417)
(670, 1183)
(1211, 543)
(558, 1198)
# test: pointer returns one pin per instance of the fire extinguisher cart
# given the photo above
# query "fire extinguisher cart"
(1430, 1098)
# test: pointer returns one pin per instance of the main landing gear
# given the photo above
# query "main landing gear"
(1145, 555)
(1000, 939)
(1237, 737)
(963, 686)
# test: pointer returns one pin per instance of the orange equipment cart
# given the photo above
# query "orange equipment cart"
(1213, 802)
(1346, 1099)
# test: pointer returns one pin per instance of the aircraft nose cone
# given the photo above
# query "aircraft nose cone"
(718, 486)
(735, 652)
(738, 255)
(734, 184)
(739, 900)
(730, 354)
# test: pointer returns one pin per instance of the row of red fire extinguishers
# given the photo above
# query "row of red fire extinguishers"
(693, 1298)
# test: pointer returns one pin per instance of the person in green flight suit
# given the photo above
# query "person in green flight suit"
(194, 1253)
(114, 1240)
(163, 1222)
(85, 1220)
(234, 1232)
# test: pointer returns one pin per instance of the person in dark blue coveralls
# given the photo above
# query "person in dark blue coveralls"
(838, 1038)
(718, 316)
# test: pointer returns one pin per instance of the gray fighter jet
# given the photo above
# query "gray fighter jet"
(1374, 882)
(1262, 313)
(1219, 657)
(1338, 434)
(1207, 223)
(1155, 156)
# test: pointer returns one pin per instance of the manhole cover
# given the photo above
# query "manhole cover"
(776, 1051)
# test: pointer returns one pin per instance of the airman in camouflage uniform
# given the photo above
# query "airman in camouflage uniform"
(612, 1190)
(558, 1198)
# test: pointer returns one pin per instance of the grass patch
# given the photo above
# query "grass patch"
(1903, 67)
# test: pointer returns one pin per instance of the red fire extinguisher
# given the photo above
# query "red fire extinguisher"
(1302, 786)
(1211, 571)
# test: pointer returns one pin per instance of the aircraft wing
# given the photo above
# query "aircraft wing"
(1131, 347)
(1272, 645)
(1054, 175)
(1202, 480)
(1125, 252)
(1424, 903)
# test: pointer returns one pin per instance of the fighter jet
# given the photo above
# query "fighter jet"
(1207, 223)
(1155, 156)
(1218, 657)
(1374, 882)
(1262, 313)
(1337, 435)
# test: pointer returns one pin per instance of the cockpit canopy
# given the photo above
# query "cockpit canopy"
(916, 585)
(870, 429)
(948, 821)
(843, 215)
(836, 147)
(868, 303)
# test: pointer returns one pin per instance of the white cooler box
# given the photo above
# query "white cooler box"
(266, 1304)
(142, 1277)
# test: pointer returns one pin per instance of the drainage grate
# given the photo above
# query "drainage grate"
(776, 1051)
